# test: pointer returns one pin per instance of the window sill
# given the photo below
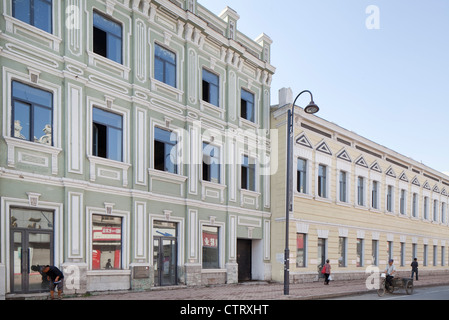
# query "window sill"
(247, 123)
(389, 213)
(167, 175)
(212, 110)
(119, 170)
(213, 190)
(344, 204)
(24, 29)
(249, 198)
(303, 195)
(325, 200)
(374, 210)
(166, 90)
(108, 65)
(357, 206)
(109, 272)
(32, 158)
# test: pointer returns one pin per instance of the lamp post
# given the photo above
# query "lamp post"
(311, 108)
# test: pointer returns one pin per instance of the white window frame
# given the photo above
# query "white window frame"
(392, 199)
(125, 255)
(377, 208)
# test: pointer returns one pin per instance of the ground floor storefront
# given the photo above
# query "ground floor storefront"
(357, 251)
(120, 240)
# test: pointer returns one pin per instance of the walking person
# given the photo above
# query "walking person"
(414, 266)
(56, 278)
(327, 272)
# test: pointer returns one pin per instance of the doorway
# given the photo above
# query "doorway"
(165, 254)
(244, 259)
(31, 248)
(321, 254)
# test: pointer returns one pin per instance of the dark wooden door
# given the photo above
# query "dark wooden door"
(244, 259)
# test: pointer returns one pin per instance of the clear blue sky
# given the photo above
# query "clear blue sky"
(389, 85)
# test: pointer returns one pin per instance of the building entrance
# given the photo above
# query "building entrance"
(31, 247)
(165, 254)
(244, 259)
(321, 254)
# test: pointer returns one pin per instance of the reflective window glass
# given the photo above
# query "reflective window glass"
(37, 13)
(32, 110)
(107, 135)
(164, 65)
(107, 38)
(106, 242)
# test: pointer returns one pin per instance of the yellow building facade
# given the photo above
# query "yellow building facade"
(355, 202)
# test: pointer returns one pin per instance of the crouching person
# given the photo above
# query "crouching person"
(56, 278)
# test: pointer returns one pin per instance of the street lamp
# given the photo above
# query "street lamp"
(311, 108)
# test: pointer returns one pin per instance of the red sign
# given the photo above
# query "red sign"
(107, 234)
(210, 240)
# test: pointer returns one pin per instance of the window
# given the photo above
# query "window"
(165, 151)
(390, 199)
(164, 65)
(107, 38)
(360, 191)
(322, 187)
(301, 176)
(342, 183)
(435, 210)
(390, 249)
(211, 247)
(360, 249)
(402, 207)
(106, 242)
(107, 135)
(247, 106)
(210, 88)
(402, 254)
(443, 212)
(443, 256)
(342, 251)
(375, 195)
(375, 252)
(32, 113)
(426, 208)
(414, 251)
(301, 245)
(37, 13)
(425, 256)
(248, 174)
(211, 163)
(435, 256)
(415, 205)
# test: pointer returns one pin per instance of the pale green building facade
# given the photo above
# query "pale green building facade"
(126, 153)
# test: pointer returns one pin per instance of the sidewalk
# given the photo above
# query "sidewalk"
(255, 291)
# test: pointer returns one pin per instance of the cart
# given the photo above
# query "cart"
(398, 283)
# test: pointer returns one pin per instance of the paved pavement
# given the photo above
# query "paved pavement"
(254, 291)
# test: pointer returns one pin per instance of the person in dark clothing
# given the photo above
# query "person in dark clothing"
(414, 266)
(56, 278)
(45, 283)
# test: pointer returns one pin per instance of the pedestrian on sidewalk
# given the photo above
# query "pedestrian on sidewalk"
(414, 266)
(56, 278)
(327, 272)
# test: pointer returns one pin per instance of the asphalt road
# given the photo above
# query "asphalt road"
(420, 293)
